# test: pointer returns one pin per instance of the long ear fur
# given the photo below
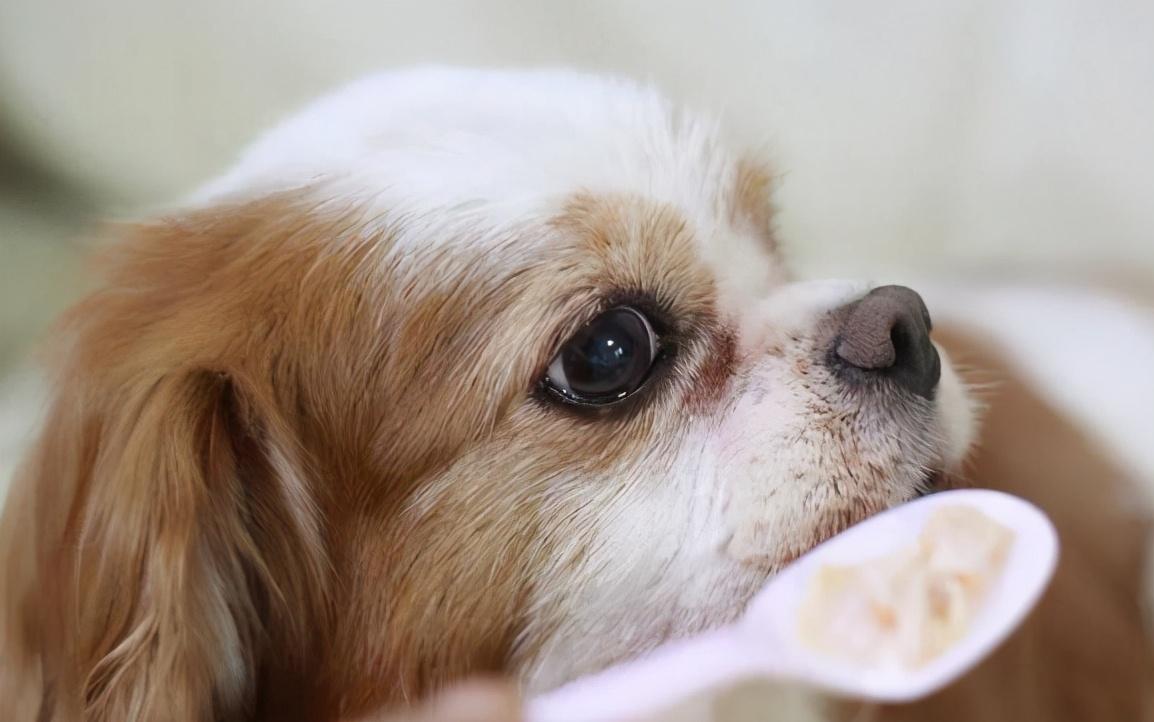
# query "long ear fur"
(166, 623)
(160, 549)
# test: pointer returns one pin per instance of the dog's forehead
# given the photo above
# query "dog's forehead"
(495, 152)
(455, 136)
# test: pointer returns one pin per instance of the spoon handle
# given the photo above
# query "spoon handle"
(671, 673)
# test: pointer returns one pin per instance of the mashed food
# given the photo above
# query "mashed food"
(909, 607)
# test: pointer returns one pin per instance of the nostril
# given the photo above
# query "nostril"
(900, 339)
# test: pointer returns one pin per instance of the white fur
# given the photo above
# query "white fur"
(434, 139)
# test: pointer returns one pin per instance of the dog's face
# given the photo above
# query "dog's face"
(523, 375)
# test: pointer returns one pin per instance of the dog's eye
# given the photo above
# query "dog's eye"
(606, 360)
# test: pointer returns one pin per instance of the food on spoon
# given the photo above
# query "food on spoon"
(908, 607)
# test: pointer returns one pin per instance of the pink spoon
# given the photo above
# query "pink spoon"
(765, 643)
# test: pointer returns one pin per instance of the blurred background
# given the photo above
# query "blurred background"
(984, 139)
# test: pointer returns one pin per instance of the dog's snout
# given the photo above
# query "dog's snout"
(887, 333)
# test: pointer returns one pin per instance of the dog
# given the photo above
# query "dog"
(456, 373)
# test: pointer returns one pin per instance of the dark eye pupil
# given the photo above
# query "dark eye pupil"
(609, 358)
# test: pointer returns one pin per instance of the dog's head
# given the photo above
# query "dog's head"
(457, 372)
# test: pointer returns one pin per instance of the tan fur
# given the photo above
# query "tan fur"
(174, 547)
(188, 554)
(222, 518)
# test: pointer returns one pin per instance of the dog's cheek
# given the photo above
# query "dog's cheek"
(764, 472)
(649, 561)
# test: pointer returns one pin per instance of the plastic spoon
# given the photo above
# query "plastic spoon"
(764, 642)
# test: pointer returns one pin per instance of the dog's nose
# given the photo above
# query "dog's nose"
(887, 333)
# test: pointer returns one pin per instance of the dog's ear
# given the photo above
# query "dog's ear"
(181, 557)
(165, 621)
(160, 547)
